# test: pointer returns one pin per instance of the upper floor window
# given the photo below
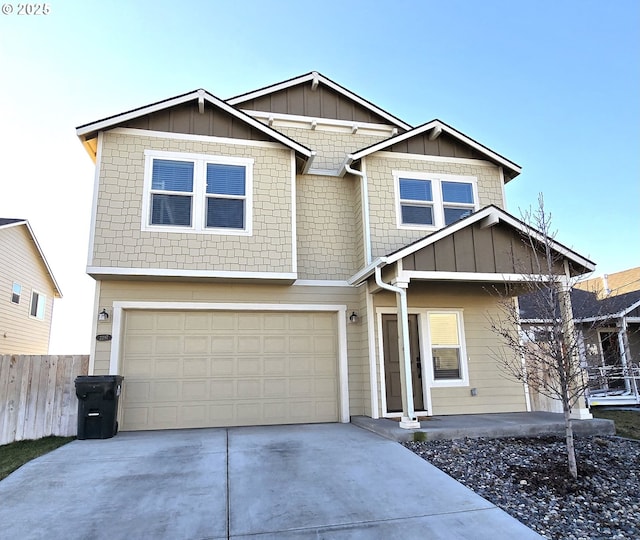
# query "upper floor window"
(38, 305)
(16, 293)
(197, 193)
(426, 200)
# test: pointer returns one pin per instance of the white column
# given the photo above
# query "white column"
(409, 419)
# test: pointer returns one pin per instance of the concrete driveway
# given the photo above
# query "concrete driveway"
(310, 481)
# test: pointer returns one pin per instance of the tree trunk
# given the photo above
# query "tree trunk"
(571, 451)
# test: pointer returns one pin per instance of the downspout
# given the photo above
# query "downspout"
(364, 189)
(409, 419)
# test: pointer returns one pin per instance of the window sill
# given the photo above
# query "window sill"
(188, 230)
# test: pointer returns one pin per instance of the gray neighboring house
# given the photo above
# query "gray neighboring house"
(608, 322)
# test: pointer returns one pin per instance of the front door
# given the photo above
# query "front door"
(612, 359)
(392, 363)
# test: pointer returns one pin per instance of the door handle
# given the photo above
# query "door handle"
(419, 366)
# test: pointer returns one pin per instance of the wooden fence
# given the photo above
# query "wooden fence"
(37, 396)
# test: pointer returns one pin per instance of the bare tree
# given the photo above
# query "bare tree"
(547, 357)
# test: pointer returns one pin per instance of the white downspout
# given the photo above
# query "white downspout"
(364, 189)
(409, 419)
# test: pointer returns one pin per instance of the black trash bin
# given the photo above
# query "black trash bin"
(98, 405)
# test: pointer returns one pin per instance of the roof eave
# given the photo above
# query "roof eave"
(89, 131)
(512, 168)
(314, 76)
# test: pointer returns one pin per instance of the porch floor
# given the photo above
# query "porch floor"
(493, 425)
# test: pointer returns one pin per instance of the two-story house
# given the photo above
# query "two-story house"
(298, 254)
(27, 290)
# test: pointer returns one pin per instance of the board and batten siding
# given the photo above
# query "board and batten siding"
(20, 262)
(495, 393)
(254, 294)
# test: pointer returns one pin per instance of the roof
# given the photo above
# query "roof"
(613, 284)
(512, 168)
(90, 130)
(585, 305)
(491, 215)
(9, 221)
(5, 223)
(317, 78)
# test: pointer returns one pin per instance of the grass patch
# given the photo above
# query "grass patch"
(16, 454)
(627, 422)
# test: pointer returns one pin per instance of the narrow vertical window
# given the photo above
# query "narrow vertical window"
(16, 293)
(38, 304)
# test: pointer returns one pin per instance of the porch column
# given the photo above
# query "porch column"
(625, 354)
(409, 419)
(579, 411)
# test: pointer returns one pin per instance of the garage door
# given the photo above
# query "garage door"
(217, 368)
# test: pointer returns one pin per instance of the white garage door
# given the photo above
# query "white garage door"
(215, 368)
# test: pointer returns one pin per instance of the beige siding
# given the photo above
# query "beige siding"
(328, 242)
(386, 237)
(496, 393)
(111, 291)
(119, 241)
(20, 262)
(331, 146)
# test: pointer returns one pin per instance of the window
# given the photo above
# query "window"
(38, 305)
(16, 292)
(446, 342)
(426, 201)
(197, 193)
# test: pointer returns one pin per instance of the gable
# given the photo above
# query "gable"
(445, 145)
(21, 257)
(178, 114)
(323, 102)
(186, 118)
(498, 249)
(316, 96)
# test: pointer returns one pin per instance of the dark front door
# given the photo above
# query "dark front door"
(392, 363)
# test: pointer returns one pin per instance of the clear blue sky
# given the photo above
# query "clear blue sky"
(552, 85)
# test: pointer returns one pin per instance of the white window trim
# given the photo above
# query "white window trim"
(13, 287)
(198, 208)
(44, 309)
(426, 350)
(436, 191)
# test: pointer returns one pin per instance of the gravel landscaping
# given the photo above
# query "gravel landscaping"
(528, 479)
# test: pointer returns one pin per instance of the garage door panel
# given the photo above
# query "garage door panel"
(197, 344)
(170, 321)
(196, 367)
(250, 344)
(223, 344)
(229, 369)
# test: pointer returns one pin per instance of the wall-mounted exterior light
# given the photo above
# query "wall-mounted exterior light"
(353, 318)
(103, 315)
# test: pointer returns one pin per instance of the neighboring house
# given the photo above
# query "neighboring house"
(606, 314)
(298, 254)
(27, 291)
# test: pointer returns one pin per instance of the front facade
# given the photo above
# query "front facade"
(297, 254)
(27, 291)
